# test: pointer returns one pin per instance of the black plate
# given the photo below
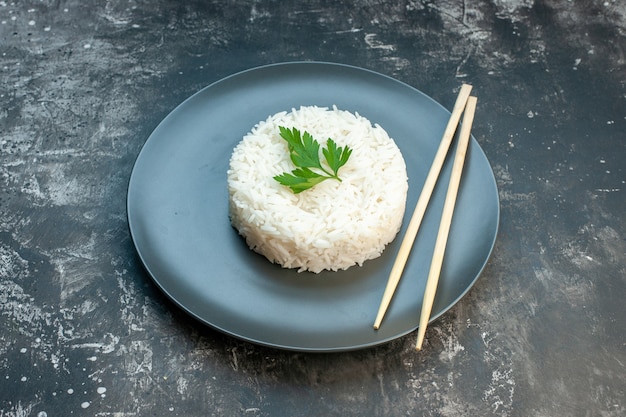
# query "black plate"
(178, 214)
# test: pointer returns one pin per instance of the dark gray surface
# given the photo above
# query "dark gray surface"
(84, 330)
(178, 214)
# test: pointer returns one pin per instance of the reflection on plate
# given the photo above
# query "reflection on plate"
(178, 214)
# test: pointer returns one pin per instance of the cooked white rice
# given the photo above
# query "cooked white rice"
(333, 225)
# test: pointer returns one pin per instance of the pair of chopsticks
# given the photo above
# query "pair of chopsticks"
(464, 104)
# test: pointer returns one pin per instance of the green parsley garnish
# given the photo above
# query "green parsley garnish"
(304, 153)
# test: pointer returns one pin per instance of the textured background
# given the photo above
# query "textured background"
(83, 331)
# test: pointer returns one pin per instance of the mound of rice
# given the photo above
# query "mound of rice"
(333, 225)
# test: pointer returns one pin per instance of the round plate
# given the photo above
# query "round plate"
(178, 214)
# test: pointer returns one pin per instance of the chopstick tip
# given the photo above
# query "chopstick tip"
(418, 344)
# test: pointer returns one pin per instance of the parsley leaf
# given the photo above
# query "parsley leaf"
(304, 153)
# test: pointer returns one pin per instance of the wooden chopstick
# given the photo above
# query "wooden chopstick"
(422, 203)
(446, 220)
